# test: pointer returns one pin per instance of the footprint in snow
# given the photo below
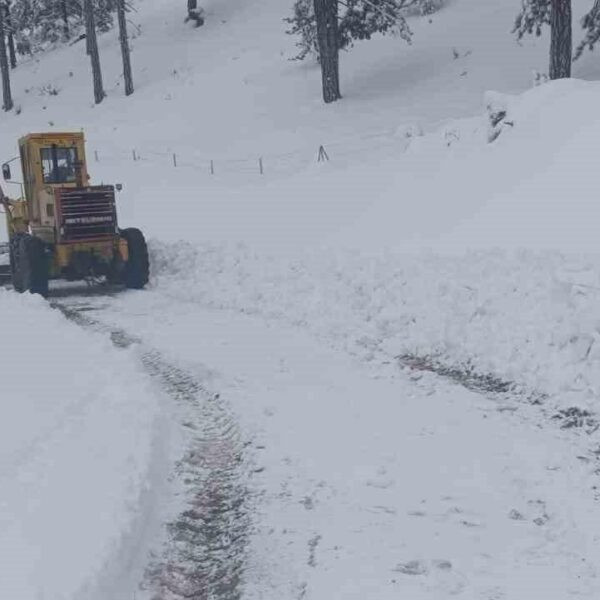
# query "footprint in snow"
(422, 567)
(412, 567)
(388, 510)
(308, 502)
(381, 484)
(515, 515)
(470, 523)
(443, 565)
(541, 520)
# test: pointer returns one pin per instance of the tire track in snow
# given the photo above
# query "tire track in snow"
(513, 396)
(204, 556)
(496, 388)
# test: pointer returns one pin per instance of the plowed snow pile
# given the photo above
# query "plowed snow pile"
(76, 439)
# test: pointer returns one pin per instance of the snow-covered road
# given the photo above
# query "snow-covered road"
(310, 474)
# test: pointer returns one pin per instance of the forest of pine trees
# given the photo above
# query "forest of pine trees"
(323, 28)
(31, 26)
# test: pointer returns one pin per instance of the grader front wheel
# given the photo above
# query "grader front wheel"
(29, 264)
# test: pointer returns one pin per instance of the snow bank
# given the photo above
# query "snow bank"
(527, 317)
(76, 436)
(541, 173)
(522, 175)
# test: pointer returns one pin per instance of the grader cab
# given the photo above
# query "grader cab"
(62, 227)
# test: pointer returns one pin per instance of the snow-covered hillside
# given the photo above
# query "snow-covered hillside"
(420, 245)
(228, 90)
(227, 93)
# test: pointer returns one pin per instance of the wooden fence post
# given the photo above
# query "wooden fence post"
(323, 156)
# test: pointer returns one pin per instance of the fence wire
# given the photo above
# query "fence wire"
(390, 142)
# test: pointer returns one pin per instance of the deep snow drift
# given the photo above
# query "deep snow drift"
(80, 444)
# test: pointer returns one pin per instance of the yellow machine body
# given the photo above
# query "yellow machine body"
(51, 165)
(63, 227)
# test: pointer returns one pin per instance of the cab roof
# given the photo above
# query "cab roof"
(54, 135)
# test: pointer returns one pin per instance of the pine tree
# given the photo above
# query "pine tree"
(64, 13)
(303, 24)
(125, 52)
(532, 18)
(93, 51)
(591, 26)
(38, 23)
(534, 15)
(4, 67)
(326, 16)
(11, 36)
(319, 32)
(561, 42)
(357, 20)
(103, 14)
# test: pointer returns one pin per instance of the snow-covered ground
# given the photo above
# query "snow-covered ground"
(285, 308)
(368, 481)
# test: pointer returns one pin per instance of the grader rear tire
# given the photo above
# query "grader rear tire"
(29, 265)
(137, 268)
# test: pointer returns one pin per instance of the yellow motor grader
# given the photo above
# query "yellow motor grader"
(62, 227)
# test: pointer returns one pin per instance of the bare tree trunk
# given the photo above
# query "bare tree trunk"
(65, 17)
(127, 75)
(326, 13)
(6, 92)
(84, 16)
(194, 14)
(11, 38)
(561, 44)
(93, 52)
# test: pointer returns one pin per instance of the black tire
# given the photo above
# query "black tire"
(11, 249)
(29, 264)
(137, 268)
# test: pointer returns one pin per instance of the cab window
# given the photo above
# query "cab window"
(58, 164)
